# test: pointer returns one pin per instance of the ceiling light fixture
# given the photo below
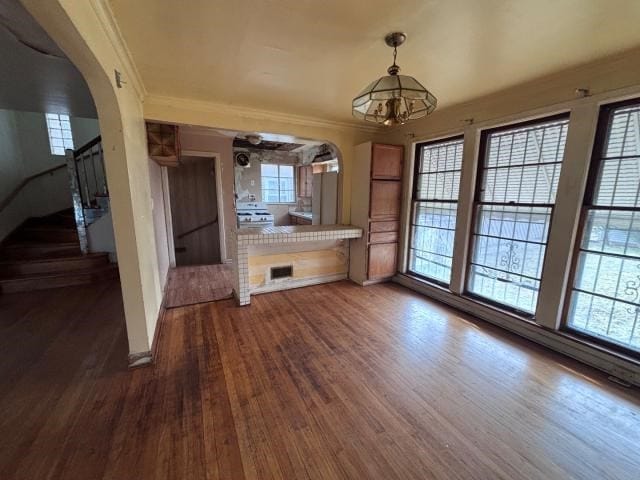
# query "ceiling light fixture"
(254, 139)
(394, 99)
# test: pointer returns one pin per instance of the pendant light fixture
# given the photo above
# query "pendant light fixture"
(393, 99)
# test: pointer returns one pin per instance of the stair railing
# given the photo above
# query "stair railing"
(88, 182)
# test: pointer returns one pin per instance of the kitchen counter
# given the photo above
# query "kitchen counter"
(312, 253)
(307, 215)
(297, 233)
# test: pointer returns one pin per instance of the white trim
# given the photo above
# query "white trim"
(222, 241)
(615, 365)
(253, 113)
(164, 176)
(109, 25)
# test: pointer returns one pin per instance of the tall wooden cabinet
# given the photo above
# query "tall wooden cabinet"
(305, 181)
(376, 199)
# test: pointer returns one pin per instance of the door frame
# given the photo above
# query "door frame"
(218, 174)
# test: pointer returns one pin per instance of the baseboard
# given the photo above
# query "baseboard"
(608, 362)
(141, 359)
(149, 357)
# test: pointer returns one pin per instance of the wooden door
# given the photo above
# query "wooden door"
(382, 260)
(386, 162)
(385, 200)
(194, 211)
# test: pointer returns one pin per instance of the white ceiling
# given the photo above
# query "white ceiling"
(36, 75)
(312, 57)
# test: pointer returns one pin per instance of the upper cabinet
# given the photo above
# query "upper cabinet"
(386, 162)
(305, 181)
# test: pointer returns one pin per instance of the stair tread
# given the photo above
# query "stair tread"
(67, 273)
(53, 259)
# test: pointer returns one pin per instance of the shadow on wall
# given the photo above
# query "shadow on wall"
(25, 151)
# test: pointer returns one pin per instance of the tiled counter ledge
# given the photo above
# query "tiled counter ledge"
(314, 253)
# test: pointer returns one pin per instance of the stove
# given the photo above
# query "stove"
(253, 215)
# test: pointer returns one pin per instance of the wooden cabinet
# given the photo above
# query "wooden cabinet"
(386, 162)
(296, 220)
(385, 199)
(305, 181)
(382, 260)
(376, 203)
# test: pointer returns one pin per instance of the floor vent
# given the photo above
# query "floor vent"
(281, 272)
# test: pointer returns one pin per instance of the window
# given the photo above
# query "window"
(435, 202)
(605, 301)
(60, 137)
(515, 195)
(278, 185)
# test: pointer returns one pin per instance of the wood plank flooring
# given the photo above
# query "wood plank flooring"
(331, 381)
(189, 285)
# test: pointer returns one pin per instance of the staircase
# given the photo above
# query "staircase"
(45, 252)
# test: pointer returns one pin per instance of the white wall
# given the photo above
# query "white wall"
(11, 173)
(25, 151)
(159, 223)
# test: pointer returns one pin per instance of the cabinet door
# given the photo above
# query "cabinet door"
(382, 260)
(309, 181)
(385, 200)
(386, 162)
(302, 181)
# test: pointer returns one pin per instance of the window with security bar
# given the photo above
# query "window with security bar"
(605, 300)
(435, 203)
(515, 196)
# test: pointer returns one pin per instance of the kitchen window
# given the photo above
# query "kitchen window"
(515, 195)
(436, 186)
(278, 183)
(60, 136)
(605, 300)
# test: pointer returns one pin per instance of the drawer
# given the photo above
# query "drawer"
(391, 226)
(383, 237)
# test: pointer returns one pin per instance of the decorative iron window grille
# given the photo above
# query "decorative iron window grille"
(514, 201)
(436, 185)
(605, 300)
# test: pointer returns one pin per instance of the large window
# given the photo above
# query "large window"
(435, 201)
(60, 136)
(605, 301)
(517, 182)
(278, 185)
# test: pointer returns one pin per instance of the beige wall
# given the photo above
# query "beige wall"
(190, 112)
(84, 32)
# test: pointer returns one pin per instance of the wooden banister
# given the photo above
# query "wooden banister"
(14, 193)
(88, 146)
(193, 230)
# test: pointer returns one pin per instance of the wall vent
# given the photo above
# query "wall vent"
(281, 272)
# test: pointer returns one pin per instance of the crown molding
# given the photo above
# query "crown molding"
(107, 21)
(253, 113)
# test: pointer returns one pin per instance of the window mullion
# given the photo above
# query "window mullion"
(569, 196)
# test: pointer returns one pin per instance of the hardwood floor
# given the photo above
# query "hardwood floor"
(189, 285)
(323, 382)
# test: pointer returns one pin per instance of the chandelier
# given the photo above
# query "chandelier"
(393, 99)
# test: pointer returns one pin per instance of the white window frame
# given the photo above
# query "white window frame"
(293, 180)
(59, 133)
